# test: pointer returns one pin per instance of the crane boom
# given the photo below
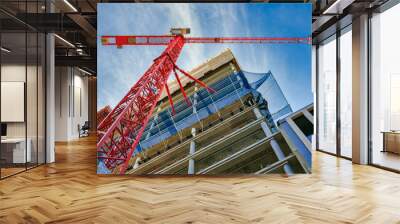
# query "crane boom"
(120, 131)
(165, 39)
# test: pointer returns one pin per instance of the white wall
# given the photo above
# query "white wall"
(16, 73)
(80, 110)
(62, 82)
(33, 126)
(71, 102)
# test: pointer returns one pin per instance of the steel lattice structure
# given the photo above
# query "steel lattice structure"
(120, 132)
(102, 113)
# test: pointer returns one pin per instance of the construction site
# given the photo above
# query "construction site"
(229, 130)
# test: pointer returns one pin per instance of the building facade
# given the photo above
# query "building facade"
(229, 131)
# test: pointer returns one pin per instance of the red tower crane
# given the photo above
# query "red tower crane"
(102, 113)
(120, 131)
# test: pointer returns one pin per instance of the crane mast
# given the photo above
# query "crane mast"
(120, 131)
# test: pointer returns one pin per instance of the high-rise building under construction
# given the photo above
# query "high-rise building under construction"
(233, 130)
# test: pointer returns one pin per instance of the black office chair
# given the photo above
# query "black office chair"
(84, 130)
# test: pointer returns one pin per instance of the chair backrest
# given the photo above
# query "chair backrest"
(86, 125)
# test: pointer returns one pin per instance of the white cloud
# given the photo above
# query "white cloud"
(126, 65)
(119, 69)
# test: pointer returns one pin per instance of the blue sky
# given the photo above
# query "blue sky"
(119, 69)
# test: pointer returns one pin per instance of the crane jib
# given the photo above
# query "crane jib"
(165, 40)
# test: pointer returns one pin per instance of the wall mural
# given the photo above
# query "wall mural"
(211, 89)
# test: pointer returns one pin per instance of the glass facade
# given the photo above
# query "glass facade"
(335, 95)
(346, 92)
(334, 99)
(385, 89)
(327, 95)
(233, 87)
(22, 87)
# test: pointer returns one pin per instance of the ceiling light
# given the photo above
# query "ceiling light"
(79, 51)
(65, 41)
(70, 5)
(338, 6)
(5, 50)
(84, 71)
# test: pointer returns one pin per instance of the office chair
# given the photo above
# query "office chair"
(84, 130)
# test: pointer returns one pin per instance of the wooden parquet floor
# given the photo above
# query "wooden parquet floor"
(69, 191)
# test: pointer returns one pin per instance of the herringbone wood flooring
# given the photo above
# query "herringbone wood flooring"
(69, 191)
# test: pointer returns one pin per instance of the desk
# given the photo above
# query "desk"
(13, 150)
(391, 141)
